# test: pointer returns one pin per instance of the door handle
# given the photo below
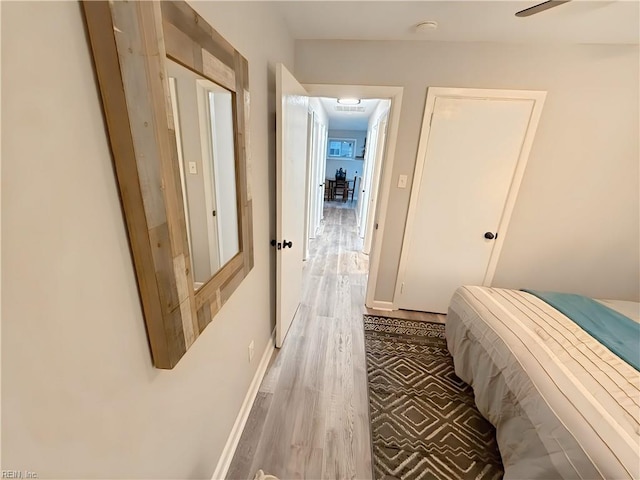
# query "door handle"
(278, 245)
(490, 236)
(286, 244)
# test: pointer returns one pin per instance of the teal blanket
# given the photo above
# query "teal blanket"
(618, 333)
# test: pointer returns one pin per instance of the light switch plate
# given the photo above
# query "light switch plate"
(402, 181)
(192, 168)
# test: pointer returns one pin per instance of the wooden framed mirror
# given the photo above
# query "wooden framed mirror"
(176, 102)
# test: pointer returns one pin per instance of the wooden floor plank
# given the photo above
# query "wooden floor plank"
(311, 417)
(245, 453)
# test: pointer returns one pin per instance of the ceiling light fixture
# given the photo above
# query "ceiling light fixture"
(349, 101)
(426, 26)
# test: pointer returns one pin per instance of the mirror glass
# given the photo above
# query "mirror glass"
(203, 119)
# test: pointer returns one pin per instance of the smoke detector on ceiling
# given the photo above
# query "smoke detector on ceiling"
(427, 26)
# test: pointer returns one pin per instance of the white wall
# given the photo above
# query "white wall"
(80, 396)
(575, 226)
(316, 105)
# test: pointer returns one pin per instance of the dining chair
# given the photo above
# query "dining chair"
(352, 189)
(328, 189)
(341, 189)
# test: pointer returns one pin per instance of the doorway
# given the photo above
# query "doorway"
(345, 154)
(374, 174)
(293, 152)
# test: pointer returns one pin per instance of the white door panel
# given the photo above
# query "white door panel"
(291, 160)
(473, 148)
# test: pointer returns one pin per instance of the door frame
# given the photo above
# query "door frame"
(183, 182)
(309, 181)
(538, 98)
(286, 224)
(363, 194)
(314, 195)
(379, 211)
(208, 150)
(376, 168)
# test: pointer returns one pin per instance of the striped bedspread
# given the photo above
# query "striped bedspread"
(563, 405)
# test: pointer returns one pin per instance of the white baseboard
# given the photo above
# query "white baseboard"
(236, 432)
(378, 305)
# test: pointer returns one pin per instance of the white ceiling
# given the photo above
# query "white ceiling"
(350, 120)
(579, 21)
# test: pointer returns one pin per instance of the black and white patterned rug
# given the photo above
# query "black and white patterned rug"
(424, 423)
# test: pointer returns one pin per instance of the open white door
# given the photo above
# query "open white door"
(291, 160)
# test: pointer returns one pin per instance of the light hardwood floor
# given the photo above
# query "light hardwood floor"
(310, 419)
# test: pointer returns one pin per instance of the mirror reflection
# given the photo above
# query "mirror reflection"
(203, 119)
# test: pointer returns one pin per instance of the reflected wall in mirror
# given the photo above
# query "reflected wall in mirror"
(203, 120)
(176, 104)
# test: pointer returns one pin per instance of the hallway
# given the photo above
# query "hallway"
(310, 418)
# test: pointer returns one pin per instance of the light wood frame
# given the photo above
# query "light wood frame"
(131, 42)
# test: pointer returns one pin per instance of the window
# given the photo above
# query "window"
(341, 148)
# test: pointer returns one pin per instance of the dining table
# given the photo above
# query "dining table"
(330, 184)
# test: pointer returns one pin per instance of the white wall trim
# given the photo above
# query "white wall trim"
(380, 305)
(380, 209)
(229, 450)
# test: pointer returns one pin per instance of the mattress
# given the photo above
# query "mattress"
(563, 405)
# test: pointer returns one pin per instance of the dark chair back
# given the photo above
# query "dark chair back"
(352, 188)
(341, 189)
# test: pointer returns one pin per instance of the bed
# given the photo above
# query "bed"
(564, 405)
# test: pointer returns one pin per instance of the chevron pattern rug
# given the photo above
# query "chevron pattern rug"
(424, 424)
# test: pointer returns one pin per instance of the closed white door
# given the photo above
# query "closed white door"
(291, 161)
(464, 179)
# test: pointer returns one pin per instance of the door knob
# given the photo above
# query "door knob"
(490, 236)
(278, 245)
(286, 244)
